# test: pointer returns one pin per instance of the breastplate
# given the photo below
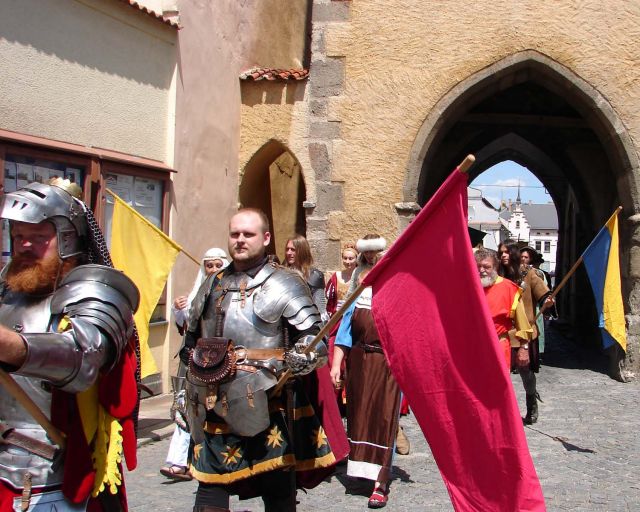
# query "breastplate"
(29, 315)
(236, 294)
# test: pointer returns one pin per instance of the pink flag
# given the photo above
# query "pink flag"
(437, 334)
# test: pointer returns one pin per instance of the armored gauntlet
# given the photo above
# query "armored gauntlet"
(301, 363)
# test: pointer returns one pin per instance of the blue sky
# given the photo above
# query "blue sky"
(501, 182)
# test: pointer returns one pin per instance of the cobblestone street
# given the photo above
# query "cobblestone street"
(585, 448)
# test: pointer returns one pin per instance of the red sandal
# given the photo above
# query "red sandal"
(378, 498)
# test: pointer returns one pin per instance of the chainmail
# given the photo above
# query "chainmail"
(98, 253)
(97, 250)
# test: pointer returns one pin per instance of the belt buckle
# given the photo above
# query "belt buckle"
(241, 354)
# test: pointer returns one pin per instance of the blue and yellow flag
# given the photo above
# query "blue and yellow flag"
(602, 262)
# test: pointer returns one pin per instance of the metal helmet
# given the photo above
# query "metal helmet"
(38, 202)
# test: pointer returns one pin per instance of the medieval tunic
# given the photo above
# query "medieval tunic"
(534, 292)
(373, 396)
(507, 311)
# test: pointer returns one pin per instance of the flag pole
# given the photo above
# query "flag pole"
(192, 258)
(118, 198)
(575, 265)
(467, 163)
(335, 318)
(463, 167)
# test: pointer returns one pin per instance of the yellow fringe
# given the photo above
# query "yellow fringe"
(104, 430)
(107, 454)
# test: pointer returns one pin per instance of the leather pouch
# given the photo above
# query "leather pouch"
(213, 360)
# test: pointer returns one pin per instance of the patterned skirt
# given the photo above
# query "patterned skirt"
(226, 458)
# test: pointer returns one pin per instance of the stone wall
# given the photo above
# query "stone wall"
(381, 72)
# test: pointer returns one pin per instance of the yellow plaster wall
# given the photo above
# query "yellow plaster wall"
(402, 56)
(275, 111)
(277, 32)
(89, 72)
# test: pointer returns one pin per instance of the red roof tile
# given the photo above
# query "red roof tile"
(152, 13)
(274, 74)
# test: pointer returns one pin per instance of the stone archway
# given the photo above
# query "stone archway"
(531, 109)
(273, 181)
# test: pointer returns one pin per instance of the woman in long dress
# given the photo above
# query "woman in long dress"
(336, 293)
(373, 398)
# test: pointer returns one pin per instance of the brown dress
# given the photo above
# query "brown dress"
(373, 402)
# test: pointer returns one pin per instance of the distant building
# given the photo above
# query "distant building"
(536, 224)
(484, 216)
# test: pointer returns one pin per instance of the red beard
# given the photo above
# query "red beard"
(27, 275)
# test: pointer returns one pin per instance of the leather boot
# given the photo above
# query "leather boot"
(402, 443)
(279, 503)
(532, 409)
(209, 508)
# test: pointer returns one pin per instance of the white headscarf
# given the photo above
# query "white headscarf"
(215, 253)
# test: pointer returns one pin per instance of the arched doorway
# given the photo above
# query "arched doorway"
(536, 112)
(273, 181)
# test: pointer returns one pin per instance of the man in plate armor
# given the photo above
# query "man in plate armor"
(246, 329)
(66, 321)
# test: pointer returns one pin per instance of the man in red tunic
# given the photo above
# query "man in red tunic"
(509, 317)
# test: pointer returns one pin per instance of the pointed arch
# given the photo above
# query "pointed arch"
(528, 65)
(530, 108)
(273, 181)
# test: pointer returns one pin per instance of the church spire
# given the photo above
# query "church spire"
(518, 202)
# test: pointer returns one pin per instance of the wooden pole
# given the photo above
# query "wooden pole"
(574, 267)
(25, 400)
(467, 163)
(323, 332)
(463, 167)
(118, 198)
(197, 262)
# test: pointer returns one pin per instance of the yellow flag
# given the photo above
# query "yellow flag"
(146, 255)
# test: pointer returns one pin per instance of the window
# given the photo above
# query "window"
(517, 224)
(547, 246)
(538, 245)
(143, 194)
(141, 182)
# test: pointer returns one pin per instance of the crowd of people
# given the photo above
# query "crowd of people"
(516, 292)
(365, 393)
(258, 410)
(370, 404)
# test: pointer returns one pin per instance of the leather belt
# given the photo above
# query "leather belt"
(247, 368)
(8, 435)
(258, 354)
(371, 348)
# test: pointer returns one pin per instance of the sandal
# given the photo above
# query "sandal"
(176, 473)
(378, 498)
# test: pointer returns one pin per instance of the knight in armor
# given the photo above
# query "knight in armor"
(66, 339)
(245, 330)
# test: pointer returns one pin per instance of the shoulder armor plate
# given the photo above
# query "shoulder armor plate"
(283, 287)
(316, 278)
(96, 281)
(199, 301)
